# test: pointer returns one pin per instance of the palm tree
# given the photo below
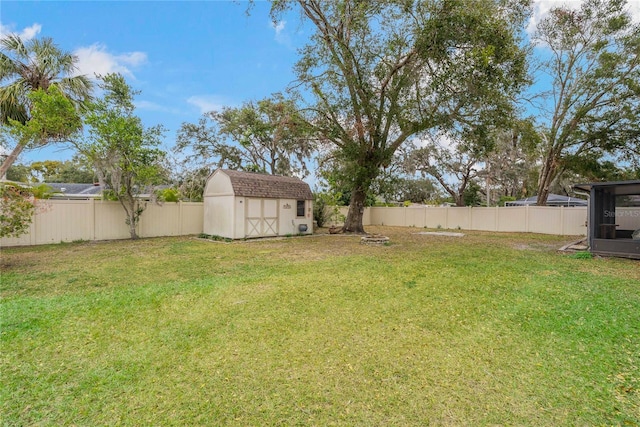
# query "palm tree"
(25, 67)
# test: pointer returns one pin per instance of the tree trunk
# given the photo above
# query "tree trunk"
(547, 174)
(10, 159)
(132, 231)
(131, 220)
(353, 222)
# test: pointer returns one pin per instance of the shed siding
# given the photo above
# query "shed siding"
(219, 220)
(218, 184)
(289, 221)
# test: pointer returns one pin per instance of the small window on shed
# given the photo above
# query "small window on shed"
(300, 208)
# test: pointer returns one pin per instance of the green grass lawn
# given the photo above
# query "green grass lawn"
(487, 329)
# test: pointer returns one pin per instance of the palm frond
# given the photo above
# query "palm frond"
(76, 88)
(12, 103)
(13, 43)
(8, 67)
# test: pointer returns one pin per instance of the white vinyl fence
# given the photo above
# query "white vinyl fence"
(73, 220)
(58, 221)
(528, 219)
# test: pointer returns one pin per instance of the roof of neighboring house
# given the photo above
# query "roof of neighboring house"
(82, 191)
(70, 189)
(552, 200)
(250, 184)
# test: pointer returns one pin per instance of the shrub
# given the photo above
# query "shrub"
(325, 208)
(16, 209)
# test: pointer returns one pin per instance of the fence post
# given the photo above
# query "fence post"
(180, 217)
(32, 227)
(446, 217)
(562, 220)
(424, 209)
(526, 218)
(92, 219)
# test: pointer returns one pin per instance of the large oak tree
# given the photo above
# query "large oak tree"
(380, 73)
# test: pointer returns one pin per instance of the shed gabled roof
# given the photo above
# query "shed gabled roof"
(249, 184)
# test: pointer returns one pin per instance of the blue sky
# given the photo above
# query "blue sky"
(186, 57)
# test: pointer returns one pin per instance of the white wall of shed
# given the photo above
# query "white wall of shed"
(289, 221)
(218, 184)
(219, 217)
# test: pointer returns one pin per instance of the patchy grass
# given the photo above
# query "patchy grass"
(488, 329)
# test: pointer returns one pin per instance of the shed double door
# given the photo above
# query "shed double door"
(261, 217)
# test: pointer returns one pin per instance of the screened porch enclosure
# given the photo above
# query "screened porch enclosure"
(614, 218)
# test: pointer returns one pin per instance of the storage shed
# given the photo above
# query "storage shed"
(240, 205)
(614, 218)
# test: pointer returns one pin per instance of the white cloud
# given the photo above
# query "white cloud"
(30, 32)
(541, 9)
(26, 34)
(281, 35)
(634, 10)
(207, 103)
(278, 27)
(95, 59)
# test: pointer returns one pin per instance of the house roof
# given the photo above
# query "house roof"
(71, 189)
(250, 184)
(552, 200)
(67, 190)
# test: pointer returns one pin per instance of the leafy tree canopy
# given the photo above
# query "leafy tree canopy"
(52, 118)
(266, 136)
(124, 154)
(591, 110)
(39, 66)
(380, 73)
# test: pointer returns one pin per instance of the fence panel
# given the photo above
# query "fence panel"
(435, 217)
(63, 222)
(110, 221)
(415, 216)
(459, 218)
(544, 220)
(160, 220)
(192, 218)
(534, 219)
(58, 221)
(574, 221)
(512, 219)
(485, 219)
